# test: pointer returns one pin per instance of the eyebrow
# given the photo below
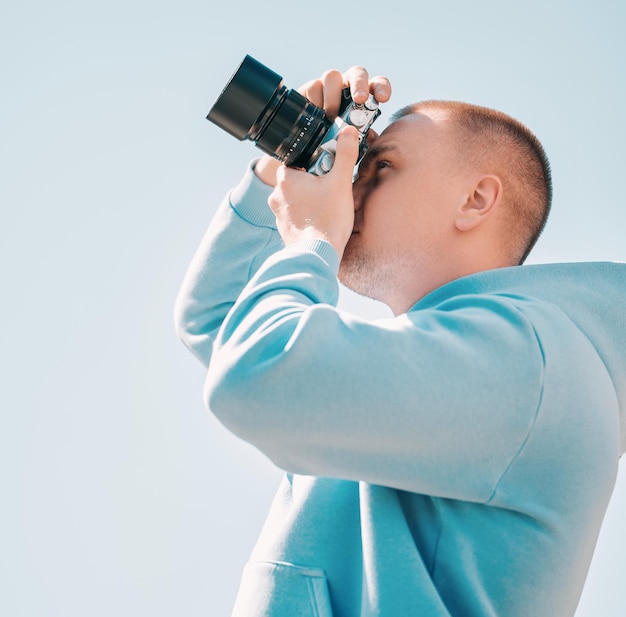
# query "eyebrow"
(375, 150)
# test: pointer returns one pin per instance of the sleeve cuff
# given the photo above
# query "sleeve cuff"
(249, 200)
(321, 248)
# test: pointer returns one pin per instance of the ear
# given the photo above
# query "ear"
(480, 203)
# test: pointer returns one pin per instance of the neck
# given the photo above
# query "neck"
(420, 280)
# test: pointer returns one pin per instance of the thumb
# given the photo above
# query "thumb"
(346, 153)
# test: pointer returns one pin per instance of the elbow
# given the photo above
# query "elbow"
(183, 322)
(192, 329)
(251, 405)
(239, 399)
(227, 398)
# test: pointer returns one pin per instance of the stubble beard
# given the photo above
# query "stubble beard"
(365, 273)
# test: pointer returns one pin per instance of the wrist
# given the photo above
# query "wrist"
(313, 235)
(249, 199)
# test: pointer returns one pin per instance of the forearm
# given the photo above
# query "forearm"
(238, 240)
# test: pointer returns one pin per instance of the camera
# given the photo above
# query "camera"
(257, 106)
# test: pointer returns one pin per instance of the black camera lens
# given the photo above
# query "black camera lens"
(255, 105)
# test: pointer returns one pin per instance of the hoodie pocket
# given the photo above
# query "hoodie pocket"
(277, 589)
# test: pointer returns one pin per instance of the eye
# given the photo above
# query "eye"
(370, 168)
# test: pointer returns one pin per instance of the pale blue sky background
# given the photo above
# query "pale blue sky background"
(120, 494)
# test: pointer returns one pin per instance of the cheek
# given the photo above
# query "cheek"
(413, 224)
(390, 224)
(402, 212)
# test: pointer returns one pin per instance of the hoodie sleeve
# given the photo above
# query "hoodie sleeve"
(424, 402)
(240, 237)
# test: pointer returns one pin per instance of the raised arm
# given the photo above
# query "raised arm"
(243, 232)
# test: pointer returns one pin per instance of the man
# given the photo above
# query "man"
(456, 459)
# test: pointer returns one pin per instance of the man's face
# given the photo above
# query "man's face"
(404, 197)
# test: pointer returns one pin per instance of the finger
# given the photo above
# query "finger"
(277, 198)
(314, 91)
(380, 87)
(274, 201)
(285, 179)
(346, 153)
(370, 138)
(357, 78)
(280, 174)
(332, 82)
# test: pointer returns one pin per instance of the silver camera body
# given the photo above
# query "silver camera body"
(359, 115)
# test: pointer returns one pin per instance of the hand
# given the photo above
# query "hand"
(318, 207)
(325, 92)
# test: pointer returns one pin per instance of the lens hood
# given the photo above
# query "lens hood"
(245, 97)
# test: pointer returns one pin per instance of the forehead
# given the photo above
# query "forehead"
(412, 132)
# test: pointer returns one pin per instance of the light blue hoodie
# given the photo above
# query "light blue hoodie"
(455, 460)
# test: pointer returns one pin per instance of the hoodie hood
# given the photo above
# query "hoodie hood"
(592, 295)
